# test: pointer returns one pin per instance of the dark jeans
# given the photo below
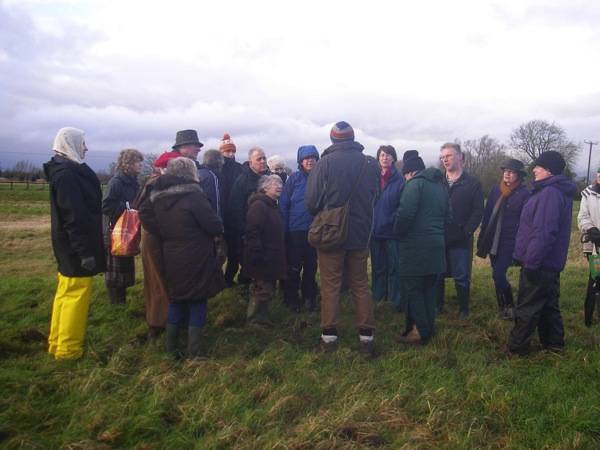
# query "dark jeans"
(302, 268)
(500, 265)
(537, 307)
(195, 311)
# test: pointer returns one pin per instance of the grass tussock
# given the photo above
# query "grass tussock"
(265, 388)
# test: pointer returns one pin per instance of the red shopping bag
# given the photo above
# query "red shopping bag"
(125, 238)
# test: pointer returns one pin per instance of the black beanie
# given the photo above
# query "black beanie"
(412, 162)
(552, 161)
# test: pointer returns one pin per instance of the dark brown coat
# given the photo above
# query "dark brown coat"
(187, 225)
(264, 234)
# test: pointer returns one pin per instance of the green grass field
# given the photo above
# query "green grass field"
(264, 388)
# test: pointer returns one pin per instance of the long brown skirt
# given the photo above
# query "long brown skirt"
(155, 284)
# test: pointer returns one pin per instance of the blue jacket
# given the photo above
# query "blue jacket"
(291, 203)
(386, 207)
(545, 227)
(213, 188)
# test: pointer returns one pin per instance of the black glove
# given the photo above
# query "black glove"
(88, 263)
(256, 258)
(533, 276)
(594, 235)
(516, 263)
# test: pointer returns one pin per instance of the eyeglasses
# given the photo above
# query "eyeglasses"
(445, 157)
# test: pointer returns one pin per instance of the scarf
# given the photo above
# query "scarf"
(386, 177)
(491, 237)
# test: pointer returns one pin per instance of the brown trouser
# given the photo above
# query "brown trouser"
(352, 264)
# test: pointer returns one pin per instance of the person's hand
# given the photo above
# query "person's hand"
(533, 276)
(88, 263)
(516, 263)
(256, 257)
(594, 235)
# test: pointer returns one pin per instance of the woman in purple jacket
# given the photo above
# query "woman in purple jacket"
(499, 230)
(541, 248)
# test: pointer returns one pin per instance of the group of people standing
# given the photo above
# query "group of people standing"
(417, 228)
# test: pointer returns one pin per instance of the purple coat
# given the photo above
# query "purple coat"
(510, 220)
(545, 228)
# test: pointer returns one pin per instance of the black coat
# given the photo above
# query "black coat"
(466, 198)
(187, 225)
(229, 172)
(265, 235)
(245, 185)
(76, 216)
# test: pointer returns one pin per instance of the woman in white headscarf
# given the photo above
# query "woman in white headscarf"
(76, 230)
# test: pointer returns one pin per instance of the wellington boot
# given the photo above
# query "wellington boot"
(122, 295)
(264, 314)
(113, 295)
(464, 297)
(253, 311)
(440, 291)
(172, 335)
(194, 340)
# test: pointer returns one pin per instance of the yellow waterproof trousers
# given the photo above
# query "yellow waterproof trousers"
(69, 317)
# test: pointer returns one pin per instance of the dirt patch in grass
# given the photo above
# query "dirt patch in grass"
(20, 223)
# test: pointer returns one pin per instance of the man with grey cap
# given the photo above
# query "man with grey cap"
(541, 249)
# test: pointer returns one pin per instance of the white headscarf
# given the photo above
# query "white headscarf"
(69, 143)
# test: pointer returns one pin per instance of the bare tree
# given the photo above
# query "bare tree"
(25, 170)
(483, 158)
(531, 139)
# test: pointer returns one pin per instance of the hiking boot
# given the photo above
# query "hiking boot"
(508, 313)
(367, 348)
(326, 347)
(412, 338)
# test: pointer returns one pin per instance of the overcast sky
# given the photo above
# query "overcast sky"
(278, 74)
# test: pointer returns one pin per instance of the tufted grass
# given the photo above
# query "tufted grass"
(264, 388)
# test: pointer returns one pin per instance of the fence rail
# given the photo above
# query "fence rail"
(23, 185)
(10, 185)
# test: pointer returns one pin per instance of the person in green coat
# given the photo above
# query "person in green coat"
(423, 212)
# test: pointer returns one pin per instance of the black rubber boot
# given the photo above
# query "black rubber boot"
(194, 340)
(172, 334)
(122, 294)
(253, 311)
(464, 297)
(113, 295)
(440, 291)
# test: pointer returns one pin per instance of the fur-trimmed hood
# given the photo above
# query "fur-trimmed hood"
(170, 187)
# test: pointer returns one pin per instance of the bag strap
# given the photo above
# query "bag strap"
(362, 171)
